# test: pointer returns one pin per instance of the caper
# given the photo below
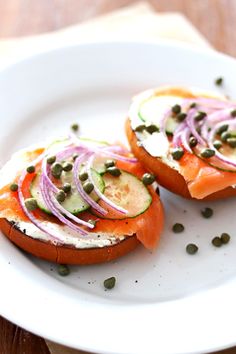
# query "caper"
(92, 222)
(83, 176)
(200, 116)
(176, 109)
(140, 128)
(88, 187)
(14, 187)
(114, 171)
(181, 117)
(63, 270)
(222, 129)
(67, 166)
(216, 241)
(207, 153)
(231, 142)
(66, 188)
(177, 228)
(192, 141)
(233, 113)
(51, 160)
(224, 136)
(152, 129)
(75, 127)
(109, 283)
(207, 212)
(217, 144)
(56, 170)
(177, 153)
(191, 248)
(30, 169)
(225, 237)
(219, 81)
(60, 196)
(74, 157)
(109, 163)
(193, 105)
(31, 204)
(148, 178)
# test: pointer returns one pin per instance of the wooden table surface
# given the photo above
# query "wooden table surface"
(216, 19)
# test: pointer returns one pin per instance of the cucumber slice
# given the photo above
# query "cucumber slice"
(153, 109)
(57, 145)
(73, 203)
(149, 109)
(128, 192)
(36, 193)
(215, 162)
(171, 125)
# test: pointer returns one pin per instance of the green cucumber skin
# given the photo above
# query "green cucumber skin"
(141, 117)
(41, 207)
(211, 164)
(93, 212)
(127, 217)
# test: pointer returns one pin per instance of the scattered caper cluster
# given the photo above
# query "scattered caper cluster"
(152, 128)
(219, 241)
(88, 186)
(112, 169)
(226, 136)
(177, 113)
(56, 170)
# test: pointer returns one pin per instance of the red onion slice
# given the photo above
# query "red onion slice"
(45, 188)
(213, 103)
(55, 207)
(77, 165)
(69, 151)
(177, 134)
(45, 170)
(219, 116)
(97, 191)
(191, 124)
(55, 238)
(185, 136)
(211, 139)
(118, 157)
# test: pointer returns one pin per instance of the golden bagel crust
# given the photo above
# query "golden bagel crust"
(67, 255)
(167, 176)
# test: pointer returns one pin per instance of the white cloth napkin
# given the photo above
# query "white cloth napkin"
(138, 22)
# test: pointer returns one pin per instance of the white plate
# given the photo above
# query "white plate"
(181, 303)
